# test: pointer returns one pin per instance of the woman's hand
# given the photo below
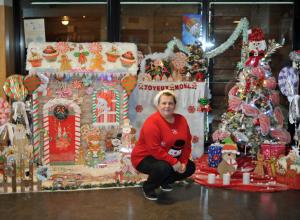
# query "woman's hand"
(182, 168)
(177, 166)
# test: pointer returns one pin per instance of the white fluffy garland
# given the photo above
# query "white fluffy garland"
(241, 27)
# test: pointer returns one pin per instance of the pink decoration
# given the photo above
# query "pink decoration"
(62, 47)
(250, 110)
(191, 109)
(64, 93)
(233, 91)
(270, 83)
(278, 116)
(4, 111)
(281, 135)
(234, 103)
(258, 72)
(219, 135)
(264, 121)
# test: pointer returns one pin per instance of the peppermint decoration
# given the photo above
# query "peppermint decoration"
(288, 81)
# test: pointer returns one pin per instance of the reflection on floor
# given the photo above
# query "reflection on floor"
(190, 201)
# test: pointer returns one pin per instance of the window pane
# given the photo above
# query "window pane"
(152, 26)
(87, 23)
(276, 22)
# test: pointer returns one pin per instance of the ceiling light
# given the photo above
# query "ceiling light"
(65, 20)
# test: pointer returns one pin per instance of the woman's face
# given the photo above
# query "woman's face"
(166, 106)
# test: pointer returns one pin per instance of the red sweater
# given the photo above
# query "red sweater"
(158, 137)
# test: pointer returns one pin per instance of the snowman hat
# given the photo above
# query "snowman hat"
(255, 34)
(230, 148)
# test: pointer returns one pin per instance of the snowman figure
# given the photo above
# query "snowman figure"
(257, 47)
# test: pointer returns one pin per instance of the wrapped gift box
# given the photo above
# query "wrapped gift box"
(214, 155)
(293, 181)
(272, 150)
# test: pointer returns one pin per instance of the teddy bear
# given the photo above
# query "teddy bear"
(228, 163)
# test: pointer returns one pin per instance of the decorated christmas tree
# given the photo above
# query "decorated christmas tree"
(253, 116)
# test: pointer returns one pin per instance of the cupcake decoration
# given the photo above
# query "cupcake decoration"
(50, 54)
(35, 58)
(127, 59)
(112, 55)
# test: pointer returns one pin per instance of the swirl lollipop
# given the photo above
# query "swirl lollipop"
(14, 88)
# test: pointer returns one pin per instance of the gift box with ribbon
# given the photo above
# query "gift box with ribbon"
(214, 154)
(272, 150)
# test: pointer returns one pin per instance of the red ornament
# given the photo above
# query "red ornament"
(191, 109)
(195, 139)
(200, 77)
(139, 108)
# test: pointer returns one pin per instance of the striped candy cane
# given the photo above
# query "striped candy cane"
(125, 105)
(36, 129)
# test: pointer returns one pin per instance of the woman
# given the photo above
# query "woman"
(164, 147)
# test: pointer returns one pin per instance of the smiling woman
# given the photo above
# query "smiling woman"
(164, 147)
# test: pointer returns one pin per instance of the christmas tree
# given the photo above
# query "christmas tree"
(253, 116)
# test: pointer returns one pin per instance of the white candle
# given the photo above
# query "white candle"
(211, 178)
(246, 178)
(226, 179)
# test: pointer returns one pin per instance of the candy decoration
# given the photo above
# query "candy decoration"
(14, 87)
(94, 107)
(288, 81)
(62, 47)
(117, 107)
(95, 47)
(125, 105)
(77, 84)
(4, 111)
(32, 82)
(36, 128)
(128, 82)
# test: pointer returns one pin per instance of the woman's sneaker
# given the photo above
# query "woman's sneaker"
(166, 188)
(150, 195)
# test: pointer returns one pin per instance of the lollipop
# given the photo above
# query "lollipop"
(288, 81)
(14, 88)
(128, 83)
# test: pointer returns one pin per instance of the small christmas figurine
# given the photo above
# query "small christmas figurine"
(228, 163)
(259, 169)
(257, 47)
(126, 137)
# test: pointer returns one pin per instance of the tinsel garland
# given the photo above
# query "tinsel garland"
(241, 27)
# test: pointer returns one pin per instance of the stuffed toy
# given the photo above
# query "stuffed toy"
(228, 163)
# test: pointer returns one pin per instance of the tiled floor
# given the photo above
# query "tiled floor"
(184, 202)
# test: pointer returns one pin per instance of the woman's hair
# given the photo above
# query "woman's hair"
(165, 92)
